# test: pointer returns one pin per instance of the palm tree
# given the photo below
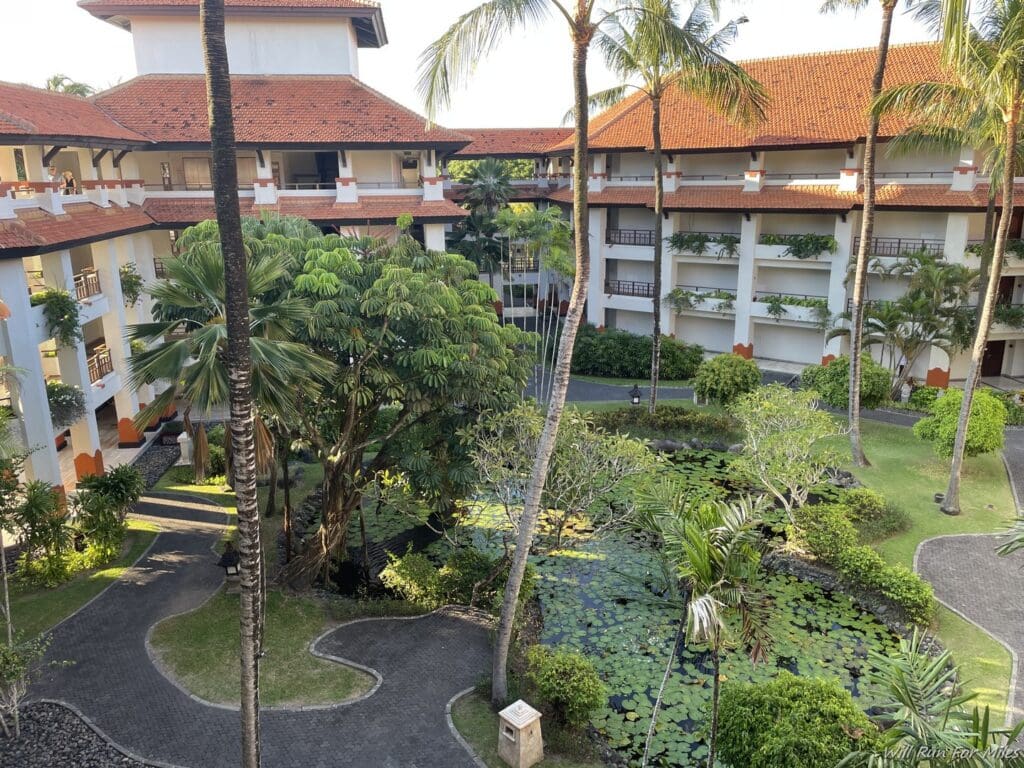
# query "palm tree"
(447, 62)
(239, 366)
(489, 186)
(64, 84)
(985, 60)
(639, 53)
(714, 550)
(867, 227)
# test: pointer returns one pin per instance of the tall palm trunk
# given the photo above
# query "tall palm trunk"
(287, 512)
(531, 508)
(680, 634)
(716, 689)
(239, 364)
(8, 620)
(271, 506)
(659, 207)
(951, 502)
(867, 232)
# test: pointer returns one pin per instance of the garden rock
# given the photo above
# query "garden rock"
(717, 445)
(666, 446)
(842, 478)
(736, 448)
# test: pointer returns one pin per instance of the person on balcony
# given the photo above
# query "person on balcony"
(68, 185)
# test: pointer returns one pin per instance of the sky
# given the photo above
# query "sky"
(525, 83)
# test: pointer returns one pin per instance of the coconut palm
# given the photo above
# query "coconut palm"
(64, 84)
(984, 56)
(867, 227)
(689, 60)
(238, 362)
(445, 64)
(714, 550)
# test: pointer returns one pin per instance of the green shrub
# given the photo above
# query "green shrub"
(414, 578)
(668, 418)
(724, 378)
(826, 531)
(984, 432)
(922, 398)
(832, 382)
(45, 534)
(1014, 409)
(873, 515)
(566, 683)
(790, 722)
(67, 403)
(60, 309)
(620, 354)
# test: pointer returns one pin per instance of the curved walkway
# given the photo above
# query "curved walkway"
(972, 580)
(424, 662)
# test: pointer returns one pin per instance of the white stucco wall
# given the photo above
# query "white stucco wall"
(774, 341)
(621, 269)
(256, 45)
(797, 224)
(631, 218)
(813, 282)
(720, 163)
(631, 164)
(911, 224)
(712, 333)
(373, 166)
(711, 274)
(634, 322)
(708, 222)
(809, 161)
(940, 162)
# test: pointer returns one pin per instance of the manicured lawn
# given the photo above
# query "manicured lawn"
(908, 473)
(644, 384)
(201, 650)
(478, 724)
(37, 609)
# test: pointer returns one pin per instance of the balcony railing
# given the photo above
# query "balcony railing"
(389, 185)
(629, 288)
(801, 175)
(523, 264)
(712, 177)
(307, 185)
(619, 177)
(100, 365)
(159, 269)
(87, 283)
(644, 237)
(900, 246)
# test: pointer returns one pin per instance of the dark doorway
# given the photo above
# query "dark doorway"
(992, 362)
(1006, 285)
(327, 166)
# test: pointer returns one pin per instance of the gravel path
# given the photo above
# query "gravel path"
(424, 662)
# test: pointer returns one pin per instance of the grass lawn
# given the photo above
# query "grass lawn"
(478, 725)
(201, 650)
(908, 473)
(37, 609)
(644, 384)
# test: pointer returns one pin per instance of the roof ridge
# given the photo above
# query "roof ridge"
(836, 52)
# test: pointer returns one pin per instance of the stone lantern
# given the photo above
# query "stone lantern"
(519, 738)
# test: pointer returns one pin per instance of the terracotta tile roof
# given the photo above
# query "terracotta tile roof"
(321, 209)
(273, 110)
(809, 197)
(36, 231)
(816, 99)
(33, 112)
(512, 142)
(527, 193)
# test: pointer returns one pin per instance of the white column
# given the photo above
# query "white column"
(673, 166)
(753, 177)
(433, 237)
(8, 168)
(85, 434)
(598, 171)
(839, 263)
(30, 402)
(263, 184)
(668, 274)
(35, 169)
(746, 280)
(957, 230)
(595, 291)
(965, 174)
(107, 258)
(433, 184)
(346, 183)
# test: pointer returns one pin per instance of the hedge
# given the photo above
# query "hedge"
(826, 531)
(724, 378)
(832, 382)
(619, 354)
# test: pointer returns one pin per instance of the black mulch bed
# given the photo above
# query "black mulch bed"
(55, 737)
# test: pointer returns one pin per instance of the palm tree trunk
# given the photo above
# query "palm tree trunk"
(287, 512)
(659, 207)
(8, 620)
(986, 254)
(680, 633)
(271, 508)
(531, 508)
(951, 502)
(239, 364)
(867, 232)
(716, 689)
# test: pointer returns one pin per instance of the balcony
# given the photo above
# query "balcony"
(87, 284)
(388, 185)
(891, 247)
(639, 237)
(100, 364)
(796, 307)
(159, 269)
(522, 263)
(634, 288)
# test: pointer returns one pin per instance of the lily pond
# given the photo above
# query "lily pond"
(603, 597)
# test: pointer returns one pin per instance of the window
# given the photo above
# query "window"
(198, 175)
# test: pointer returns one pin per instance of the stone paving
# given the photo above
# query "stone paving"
(424, 662)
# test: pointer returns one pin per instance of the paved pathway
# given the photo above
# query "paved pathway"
(423, 662)
(972, 579)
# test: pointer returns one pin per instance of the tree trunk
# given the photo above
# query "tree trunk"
(716, 686)
(271, 508)
(680, 633)
(867, 232)
(951, 502)
(239, 364)
(986, 253)
(8, 619)
(582, 33)
(659, 207)
(286, 479)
